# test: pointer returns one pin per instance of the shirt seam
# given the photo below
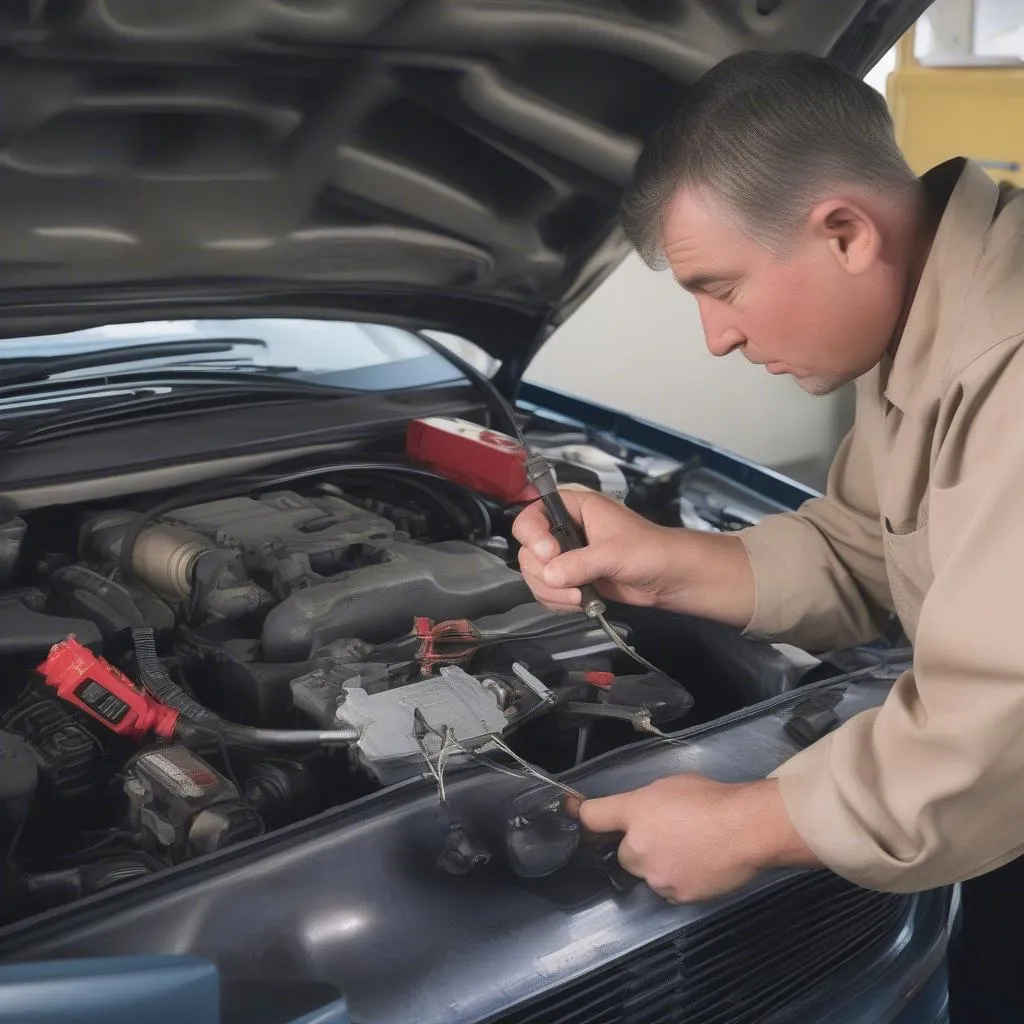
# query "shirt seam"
(1017, 336)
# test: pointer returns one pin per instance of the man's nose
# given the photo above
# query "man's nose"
(720, 334)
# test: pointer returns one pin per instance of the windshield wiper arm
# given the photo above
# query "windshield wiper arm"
(31, 370)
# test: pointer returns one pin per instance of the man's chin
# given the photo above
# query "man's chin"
(819, 387)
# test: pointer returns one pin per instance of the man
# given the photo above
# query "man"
(779, 198)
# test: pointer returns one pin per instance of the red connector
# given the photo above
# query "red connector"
(101, 691)
(602, 680)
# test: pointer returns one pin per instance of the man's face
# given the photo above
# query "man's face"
(813, 313)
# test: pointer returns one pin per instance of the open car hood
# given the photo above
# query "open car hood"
(455, 163)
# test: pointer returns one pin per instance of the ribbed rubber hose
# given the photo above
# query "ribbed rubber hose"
(156, 679)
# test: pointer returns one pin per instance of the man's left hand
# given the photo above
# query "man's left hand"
(692, 838)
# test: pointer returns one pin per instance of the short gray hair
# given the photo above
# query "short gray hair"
(766, 133)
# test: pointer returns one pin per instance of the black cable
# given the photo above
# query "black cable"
(383, 466)
(84, 853)
(590, 710)
(448, 507)
(582, 741)
(12, 849)
(500, 406)
(157, 680)
(216, 729)
(532, 712)
(197, 719)
(229, 770)
(485, 638)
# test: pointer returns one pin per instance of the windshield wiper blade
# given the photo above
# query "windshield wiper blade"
(33, 370)
(53, 426)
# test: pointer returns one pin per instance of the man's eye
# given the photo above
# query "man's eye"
(726, 294)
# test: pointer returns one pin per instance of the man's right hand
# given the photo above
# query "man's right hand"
(625, 555)
(633, 561)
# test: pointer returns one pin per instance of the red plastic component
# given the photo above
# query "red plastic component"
(453, 642)
(484, 460)
(601, 679)
(101, 691)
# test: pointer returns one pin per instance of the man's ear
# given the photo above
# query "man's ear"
(850, 232)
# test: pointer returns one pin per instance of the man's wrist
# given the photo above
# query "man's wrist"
(708, 575)
(769, 838)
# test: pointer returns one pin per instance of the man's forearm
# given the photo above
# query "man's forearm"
(712, 577)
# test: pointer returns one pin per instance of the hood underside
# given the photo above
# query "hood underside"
(453, 161)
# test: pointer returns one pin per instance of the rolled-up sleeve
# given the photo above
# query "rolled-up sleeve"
(929, 788)
(819, 573)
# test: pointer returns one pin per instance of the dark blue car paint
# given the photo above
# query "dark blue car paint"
(655, 440)
(114, 990)
(130, 989)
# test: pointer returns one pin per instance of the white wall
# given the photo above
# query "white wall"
(637, 345)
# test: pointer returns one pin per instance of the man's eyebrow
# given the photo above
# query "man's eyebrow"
(701, 282)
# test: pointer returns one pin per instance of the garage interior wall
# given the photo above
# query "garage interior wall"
(636, 345)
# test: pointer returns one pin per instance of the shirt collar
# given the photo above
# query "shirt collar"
(915, 376)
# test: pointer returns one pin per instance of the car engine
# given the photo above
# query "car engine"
(187, 673)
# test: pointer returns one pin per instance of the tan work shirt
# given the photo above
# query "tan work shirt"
(924, 516)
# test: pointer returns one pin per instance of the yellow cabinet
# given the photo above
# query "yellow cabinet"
(975, 111)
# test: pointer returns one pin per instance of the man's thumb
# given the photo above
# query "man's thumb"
(605, 814)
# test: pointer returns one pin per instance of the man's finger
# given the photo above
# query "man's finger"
(533, 530)
(532, 527)
(530, 565)
(583, 565)
(561, 599)
(629, 859)
(606, 813)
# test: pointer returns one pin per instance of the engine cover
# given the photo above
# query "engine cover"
(379, 602)
(333, 569)
(297, 541)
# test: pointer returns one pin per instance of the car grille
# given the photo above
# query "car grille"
(743, 966)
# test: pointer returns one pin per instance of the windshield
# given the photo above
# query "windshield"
(350, 355)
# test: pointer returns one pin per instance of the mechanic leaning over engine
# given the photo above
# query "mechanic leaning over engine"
(779, 199)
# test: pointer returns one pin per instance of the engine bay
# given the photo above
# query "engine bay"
(185, 672)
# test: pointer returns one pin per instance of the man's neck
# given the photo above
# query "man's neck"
(923, 223)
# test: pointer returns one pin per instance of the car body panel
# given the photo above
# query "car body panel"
(454, 163)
